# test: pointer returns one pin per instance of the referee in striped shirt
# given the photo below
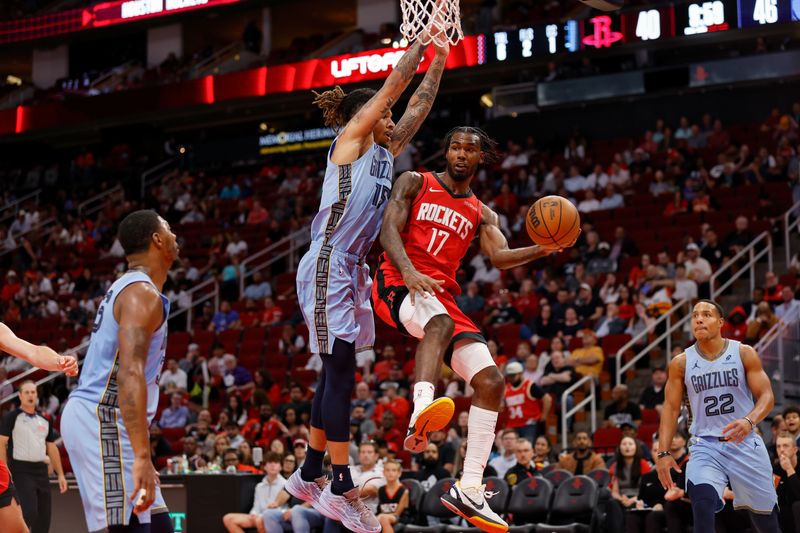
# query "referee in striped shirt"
(27, 439)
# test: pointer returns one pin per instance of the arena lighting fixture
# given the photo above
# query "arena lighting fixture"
(263, 126)
(13, 80)
(386, 40)
(487, 101)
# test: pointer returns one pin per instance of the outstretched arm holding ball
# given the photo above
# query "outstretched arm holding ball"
(495, 246)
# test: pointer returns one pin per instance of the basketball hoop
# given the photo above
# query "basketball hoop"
(436, 21)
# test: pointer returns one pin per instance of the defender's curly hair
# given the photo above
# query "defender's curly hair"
(488, 145)
(339, 107)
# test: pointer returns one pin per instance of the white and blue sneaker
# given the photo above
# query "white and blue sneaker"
(470, 504)
(349, 509)
(308, 491)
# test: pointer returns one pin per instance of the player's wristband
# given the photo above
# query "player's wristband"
(752, 425)
(659, 455)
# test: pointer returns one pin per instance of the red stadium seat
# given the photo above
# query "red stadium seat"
(646, 432)
(173, 434)
(607, 438)
(650, 416)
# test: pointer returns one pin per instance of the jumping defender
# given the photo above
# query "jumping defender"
(333, 281)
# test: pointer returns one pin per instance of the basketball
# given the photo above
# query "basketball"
(553, 220)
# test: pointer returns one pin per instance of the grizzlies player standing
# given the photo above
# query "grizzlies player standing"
(106, 420)
(720, 377)
(333, 282)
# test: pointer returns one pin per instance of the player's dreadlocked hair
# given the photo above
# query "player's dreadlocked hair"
(339, 107)
(488, 145)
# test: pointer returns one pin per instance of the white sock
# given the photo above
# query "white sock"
(423, 397)
(480, 437)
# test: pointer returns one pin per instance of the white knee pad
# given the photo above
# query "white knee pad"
(469, 358)
(416, 317)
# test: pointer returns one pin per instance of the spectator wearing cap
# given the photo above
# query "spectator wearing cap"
(173, 378)
(300, 450)
(697, 268)
(621, 409)
(527, 405)
(587, 305)
(602, 263)
(789, 306)
(652, 396)
(588, 359)
(391, 401)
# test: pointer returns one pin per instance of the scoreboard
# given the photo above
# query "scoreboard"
(649, 24)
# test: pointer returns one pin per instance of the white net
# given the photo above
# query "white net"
(436, 21)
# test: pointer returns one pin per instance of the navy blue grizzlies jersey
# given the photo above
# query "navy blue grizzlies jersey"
(717, 390)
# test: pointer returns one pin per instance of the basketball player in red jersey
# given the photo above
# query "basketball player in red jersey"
(427, 229)
(46, 359)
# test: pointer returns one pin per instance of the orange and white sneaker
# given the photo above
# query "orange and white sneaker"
(433, 418)
(470, 504)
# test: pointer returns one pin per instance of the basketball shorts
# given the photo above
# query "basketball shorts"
(746, 467)
(392, 304)
(333, 290)
(102, 460)
(8, 495)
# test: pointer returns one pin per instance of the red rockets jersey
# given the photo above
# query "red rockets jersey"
(523, 409)
(438, 233)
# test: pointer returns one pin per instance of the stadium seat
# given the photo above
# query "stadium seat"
(530, 503)
(432, 506)
(601, 477)
(558, 476)
(646, 431)
(650, 416)
(573, 507)
(415, 494)
(173, 434)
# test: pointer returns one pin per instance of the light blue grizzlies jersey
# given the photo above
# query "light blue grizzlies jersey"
(353, 201)
(98, 381)
(717, 390)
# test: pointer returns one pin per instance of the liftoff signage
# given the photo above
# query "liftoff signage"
(364, 64)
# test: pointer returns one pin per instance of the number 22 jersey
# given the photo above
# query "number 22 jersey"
(438, 233)
(717, 390)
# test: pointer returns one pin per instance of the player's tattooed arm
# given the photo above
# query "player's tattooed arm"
(494, 244)
(420, 104)
(405, 189)
(351, 143)
(139, 312)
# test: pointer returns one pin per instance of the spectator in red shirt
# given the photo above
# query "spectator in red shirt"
(387, 430)
(257, 215)
(391, 401)
(506, 201)
(388, 360)
(735, 327)
(11, 288)
(719, 139)
(677, 205)
(272, 313)
(772, 289)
